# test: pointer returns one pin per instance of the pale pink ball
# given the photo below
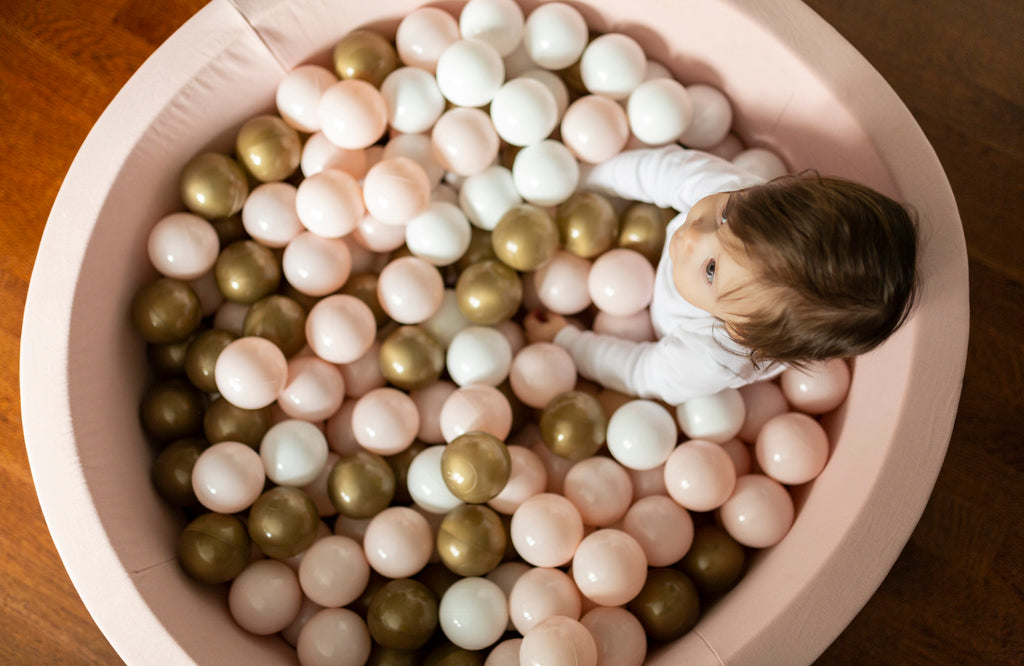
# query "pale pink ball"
(385, 421)
(541, 593)
(265, 597)
(819, 389)
(558, 641)
(662, 528)
(298, 96)
(420, 149)
(334, 571)
(183, 246)
(251, 372)
(699, 475)
(712, 117)
(424, 34)
(557, 466)
(762, 401)
(410, 289)
(647, 482)
(333, 636)
(338, 430)
(353, 114)
(609, 567)
(505, 653)
(316, 266)
(317, 488)
(759, 513)
(396, 190)
(620, 637)
(429, 400)
(363, 260)
(318, 153)
(306, 611)
(329, 203)
(601, 490)
(227, 477)
(636, 327)
(546, 529)
(378, 236)
(514, 333)
(476, 407)
(398, 542)
(230, 316)
(465, 141)
(621, 282)
(761, 162)
(792, 448)
(354, 528)
(269, 214)
(363, 374)
(528, 477)
(561, 284)
(595, 128)
(340, 328)
(210, 296)
(541, 371)
(739, 453)
(314, 390)
(716, 417)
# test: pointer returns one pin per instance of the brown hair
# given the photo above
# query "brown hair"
(837, 262)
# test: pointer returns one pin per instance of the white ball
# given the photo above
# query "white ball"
(183, 246)
(447, 321)
(479, 355)
(486, 196)
(473, 613)
(469, 72)
(717, 417)
(546, 173)
(524, 111)
(712, 117)
(426, 482)
(641, 434)
(762, 162)
(440, 234)
(554, 84)
(298, 96)
(413, 99)
(496, 22)
(420, 149)
(294, 452)
(613, 65)
(555, 35)
(659, 110)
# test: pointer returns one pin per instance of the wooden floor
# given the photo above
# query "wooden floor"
(956, 594)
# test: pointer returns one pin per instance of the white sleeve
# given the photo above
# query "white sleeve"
(670, 177)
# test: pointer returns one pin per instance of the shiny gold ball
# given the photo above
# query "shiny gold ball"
(361, 485)
(214, 548)
(279, 319)
(366, 55)
(587, 224)
(668, 605)
(283, 522)
(410, 358)
(488, 292)
(525, 237)
(715, 561)
(573, 425)
(172, 409)
(247, 271)
(400, 463)
(213, 186)
(471, 540)
(166, 310)
(268, 148)
(172, 471)
(201, 357)
(224, 422)
(476, 466)
(402, 614)
(642, 228)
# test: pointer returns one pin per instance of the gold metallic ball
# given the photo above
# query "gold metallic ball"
(166, 310)
(471, 540)
(642, 228)
(213, 186)
(480, 248)
(573, 425)
(283, 522)
(400, 463)
(364, 287)
(587, 224)
(402, 614)
(268, 148)
(476, 466)
(410, 358)
(247, 271)
(214, 548)
(525, 237)
(224, 422)
(361, 485)
(172, 471)
(172, 409)
(715, 561)
(668, 605)
(279, 319)
(201, 357)
(488, 292)
(366, 55)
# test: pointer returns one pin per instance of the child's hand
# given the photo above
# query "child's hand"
(542, 325)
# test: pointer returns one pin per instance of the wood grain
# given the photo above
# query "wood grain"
(956, 594)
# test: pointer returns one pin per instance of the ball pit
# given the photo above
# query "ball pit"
(114, 532)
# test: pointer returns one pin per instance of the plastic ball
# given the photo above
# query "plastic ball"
(420, 149)
(171, 409)
(440, 234)
(398, 542)
(525, 238)
(573, 425)
(545, 173)
(558, 641)
(715, 561)
(621, 282)
(540, 593)
(396, 190)
(469, 72)
(699, 475)
(641, 434)
(464, 140)
(792, 448)
(496, 22)
(171, 472)
(283, 522)
(268, 148)
(546, 530)
(429, 399)
(668, 606)
(316, 266)
(298, 96)
(759, 512)
(294, 452)
(555, 85)
(363, 374)
(659, 110)
(613, 65)
(426, 482)
(587, 224)
(376, 236)
(761, 162)
(476, 407)
(595, 128)
(561, 284)
(601, 490)
(524, 111)
(424, 34)
(329, 203)
(712, 117)
(662, 528)
(642, 228)
(353, 114)
(365, 55)
(410, 359)
(333, 636)
(717, 417)
(762, 401)
(251, 372)
(213, 186)
(479, 355)
(486, 196)
(182, 246)
(318, 153)
(265, 597)
(269, 215)
(361, 485)
(636, 327)
(410, 289)
(505, 653)
(225, 422)
(280, 320)
(166, 310)
(402, 615)
(541, 371)
(555, 35)
(385, 421)
(214, 548)
(471, 540)
(413, 99)
(473, 613)
(447, 321)
(488, 292)
(247, 271)
(609, 567)
(340, 328)
(475, 467)
(819, 389)
(619, 636)
(527, 477)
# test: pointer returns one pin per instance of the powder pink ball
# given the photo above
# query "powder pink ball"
(314, 390)
(636, 327)
(318, 153)
(385, 421)
(228, 477)
(716, 417)
(354, 528)
(363, 260)
(306, 611)
(762, 401)
(609, 567)
(541, 593)
(333, 636)
(739, 453)
(621, 282)
(505, 653)
(561, 284)
(363, 374)
(558, 641)
(183, 246)
(541, 371)
(619, 636)
(601, 490)
(647, 482)
(329, 203)
(340, 328)
(528, 477)
(423, 35)
(662, 528)
(699, 475)
(820, 389)
(265, 597)
(395, 190)
(353, 114)
(712, 117)
(298, 96)
(429, 400)
(316, 266)
(546, 529)
(410, 289)
(378, 236)
(269, 214)
(595, 128)
(465, 141)
(251, 372)
(476, 407)
(317, 488)
(334, 571)
(759, 513)
(792, 448)
(338, 430)
(398, 542)
(210, 296)
(556, 466)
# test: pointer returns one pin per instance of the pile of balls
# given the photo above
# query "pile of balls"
(335, 339)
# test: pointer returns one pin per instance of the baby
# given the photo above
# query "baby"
(755, 276)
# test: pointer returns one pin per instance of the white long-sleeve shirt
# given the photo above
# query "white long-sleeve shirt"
(693, 355)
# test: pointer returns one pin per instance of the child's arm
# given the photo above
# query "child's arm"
(670, 177)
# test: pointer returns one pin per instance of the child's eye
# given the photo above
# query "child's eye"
(724, 219)
(709, 271)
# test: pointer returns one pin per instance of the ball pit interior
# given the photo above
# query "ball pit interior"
(797, 88)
